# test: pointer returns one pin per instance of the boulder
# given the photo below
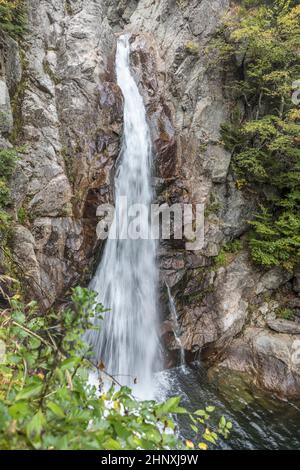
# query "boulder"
(273, 279)
(6, 117)
(272, 359)
(220, 161)
(24, 256)
(284, 326)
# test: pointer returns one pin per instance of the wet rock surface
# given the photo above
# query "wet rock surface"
(273, 360)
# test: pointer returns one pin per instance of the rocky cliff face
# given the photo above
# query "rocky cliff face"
(226, 312)
(68, 118)
(67, 111)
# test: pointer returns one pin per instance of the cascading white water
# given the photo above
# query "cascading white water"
(126, 279)
(176, 328)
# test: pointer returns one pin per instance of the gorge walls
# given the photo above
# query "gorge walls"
(68, 115)
(65, 110)
(227, 306)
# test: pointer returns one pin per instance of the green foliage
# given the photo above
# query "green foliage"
(4, 221)
(4, 193)
(213, 207)
(69, 8)
(13, 17)
(46, 403)
(22, 215)
(228, 249)
(192, 48)
(264, 139)
(8, 159)
(276, 242)
(221, 259)
(233, 247)
(285, 313)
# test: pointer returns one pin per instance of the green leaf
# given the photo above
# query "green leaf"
(35, 343)
(4, 416)
(56, 409)
(70, 363)
(154, 435)
(222, 422)
(112, 444)
(209, 437)
(19, 410)
(30, 391)
(194, 428)
(210, 409)
(62, 444)
(170, 406)
(35, 426)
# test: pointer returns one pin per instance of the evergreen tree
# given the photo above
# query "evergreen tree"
(263, 40)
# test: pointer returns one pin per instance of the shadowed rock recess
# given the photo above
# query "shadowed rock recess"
(63, 109)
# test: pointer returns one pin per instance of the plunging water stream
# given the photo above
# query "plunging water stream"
(126, 283)
(126, 279)
(176, 328)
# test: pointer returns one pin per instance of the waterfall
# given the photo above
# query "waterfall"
(126, 278)
(176, 327)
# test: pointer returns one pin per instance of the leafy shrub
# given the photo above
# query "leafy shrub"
(224, 255)
(233, 247)
(214, 205)
(264, 140)
(45, 402)
(8, 159)
(221, 259)
(13, 17)
(276, 242)
(4, 222)
(4, 193)
(285, 313)
(22, 215)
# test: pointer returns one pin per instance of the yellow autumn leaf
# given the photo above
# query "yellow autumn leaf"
(16, 297)
(189, 444)
(203, 446)
(116, 405)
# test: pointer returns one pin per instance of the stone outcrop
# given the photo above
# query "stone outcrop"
(284, 326)
(6, 116)
(10, 77)
(68, 120)
(272, 360)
